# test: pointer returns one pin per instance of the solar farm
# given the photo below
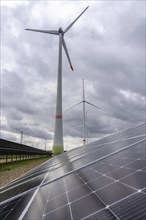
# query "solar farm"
(11, 151)
(105, 179)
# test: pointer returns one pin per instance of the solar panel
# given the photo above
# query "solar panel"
(10, 148)
(69, 165)
(132, 207)
(102, 180)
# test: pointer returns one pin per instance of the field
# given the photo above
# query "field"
(10, 172)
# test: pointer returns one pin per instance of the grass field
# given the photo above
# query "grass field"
(17, 164)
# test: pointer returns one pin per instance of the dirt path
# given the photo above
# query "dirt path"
(7, 176)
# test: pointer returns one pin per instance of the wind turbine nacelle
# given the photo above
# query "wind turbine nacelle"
(61, 31)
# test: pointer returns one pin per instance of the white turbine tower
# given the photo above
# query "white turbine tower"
(58, 133)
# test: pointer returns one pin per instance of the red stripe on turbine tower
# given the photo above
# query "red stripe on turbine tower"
(58, 116)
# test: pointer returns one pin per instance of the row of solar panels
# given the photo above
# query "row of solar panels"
(9, 147)
(95, 181)
(71, 161)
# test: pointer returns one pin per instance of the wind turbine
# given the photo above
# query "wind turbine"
(84, 110)
(58, 133)
(21, 133)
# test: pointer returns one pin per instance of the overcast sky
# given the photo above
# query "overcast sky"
(107, 48)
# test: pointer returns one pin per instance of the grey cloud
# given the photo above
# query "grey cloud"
(106, 48)
(14, 115)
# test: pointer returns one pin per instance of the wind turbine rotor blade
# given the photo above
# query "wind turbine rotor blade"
(67, 54)
(44, 31)
(16, 129)
(25, 129)
(74, 21)
(94, 105)
(77, 124)
(73, 106)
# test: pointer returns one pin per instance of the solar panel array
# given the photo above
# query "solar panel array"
(12, 148)
(102, 180)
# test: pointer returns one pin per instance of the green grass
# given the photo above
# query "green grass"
(14, 165)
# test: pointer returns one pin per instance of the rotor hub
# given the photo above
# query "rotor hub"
(61, 31)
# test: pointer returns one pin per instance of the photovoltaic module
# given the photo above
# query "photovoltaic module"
(105, 179)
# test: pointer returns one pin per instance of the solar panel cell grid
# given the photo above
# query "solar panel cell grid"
(85, 206)
(62, 212)
(138, 164)
(56, 203)
(119, 173)
(57, 190)
(114, 192)
(76, 182)
(104, 214)
(78, 192)
(105, 168)
(107, 182)
(100, 182)
(89, 173)
(132, 207)
(136, 180)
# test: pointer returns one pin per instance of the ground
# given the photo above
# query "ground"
(10, 175)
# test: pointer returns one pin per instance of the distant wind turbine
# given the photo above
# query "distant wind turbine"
(21, 134)
(58, 133)
(84, 110)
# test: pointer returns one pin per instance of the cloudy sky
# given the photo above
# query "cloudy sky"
(107, 49)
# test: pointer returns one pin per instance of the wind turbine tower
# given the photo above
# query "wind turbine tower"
(84, 140)
(58, 146)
